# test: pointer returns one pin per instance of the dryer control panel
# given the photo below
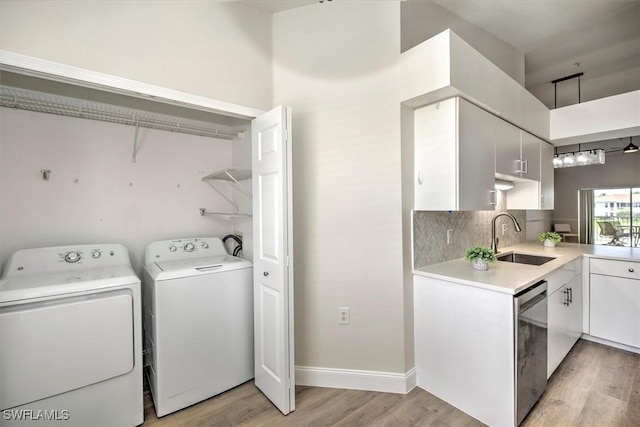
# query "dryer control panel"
(197, 247)
(66, 258)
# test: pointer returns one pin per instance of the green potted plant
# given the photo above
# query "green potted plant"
(550, 238)
(480, 257)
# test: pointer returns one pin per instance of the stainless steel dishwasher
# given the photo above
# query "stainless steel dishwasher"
(531, 347)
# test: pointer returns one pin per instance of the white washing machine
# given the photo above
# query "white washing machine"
(71, 327)
(198, 321)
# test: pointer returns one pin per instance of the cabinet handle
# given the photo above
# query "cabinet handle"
(420, 178)
(566, 297)
(492, 197)
(631, 270)
(518, 166)
(525, 167)
(542, 200)
(570, 295)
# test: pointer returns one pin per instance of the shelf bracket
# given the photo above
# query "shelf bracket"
(135, 142)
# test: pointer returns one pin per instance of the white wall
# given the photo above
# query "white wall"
(336, 66)
(217, 50)
(96, 194)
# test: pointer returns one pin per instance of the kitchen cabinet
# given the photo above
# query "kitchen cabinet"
(454, 157)
(464, 348)
(517, 152)
(564, 298)
(546, 176)
(614, 301)
(564, 321)
(535, 193)
(507, 145)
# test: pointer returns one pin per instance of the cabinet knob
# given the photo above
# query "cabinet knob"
(631, 270)
(265, 274)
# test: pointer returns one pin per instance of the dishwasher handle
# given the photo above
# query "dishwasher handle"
(531, 295)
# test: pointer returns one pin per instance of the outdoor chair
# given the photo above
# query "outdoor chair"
(565, 231)
(608, 230)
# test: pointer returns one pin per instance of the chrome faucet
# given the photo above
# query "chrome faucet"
(494, 240)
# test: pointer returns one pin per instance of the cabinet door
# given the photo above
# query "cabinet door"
(546, 176)
(476, 159)
(614, 309)
(435, 157)
(574, 325)
(564, 322)
(530, 166)
(507, 142)
(558, 317)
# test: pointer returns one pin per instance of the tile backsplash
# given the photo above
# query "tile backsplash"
(469, 228)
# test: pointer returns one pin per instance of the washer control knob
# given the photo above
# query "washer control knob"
(96, 254)
(205, 245)
(172, 248)
(72, 256)
(189, 247)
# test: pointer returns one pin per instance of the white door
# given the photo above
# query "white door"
(272, 257)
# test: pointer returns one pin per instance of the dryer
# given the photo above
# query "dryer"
(198, 321)
(70, 321)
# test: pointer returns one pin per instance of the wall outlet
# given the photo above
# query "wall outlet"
(344, 315)
(449, 231)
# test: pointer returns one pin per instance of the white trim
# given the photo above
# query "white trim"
(610, 343)
(36, 67)
(387, 382)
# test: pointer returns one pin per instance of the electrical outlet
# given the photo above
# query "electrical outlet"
(449, 231)
(344, 315)
(504, 229)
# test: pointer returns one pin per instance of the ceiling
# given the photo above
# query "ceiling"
(600, 38)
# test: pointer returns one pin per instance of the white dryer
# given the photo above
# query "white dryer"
(71, 353)
(198, 321)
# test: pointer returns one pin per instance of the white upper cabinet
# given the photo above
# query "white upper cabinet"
(454, 157)
(536, 191)
(507, 142)
(546, 176)
(530, 156)
(517, 152)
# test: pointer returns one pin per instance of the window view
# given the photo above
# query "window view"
(616, 216)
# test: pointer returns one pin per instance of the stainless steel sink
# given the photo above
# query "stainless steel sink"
(519, 258)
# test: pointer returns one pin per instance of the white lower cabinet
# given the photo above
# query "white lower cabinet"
(564, 321)
(464, 348)
(614, 301)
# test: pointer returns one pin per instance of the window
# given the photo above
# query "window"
(616, 216)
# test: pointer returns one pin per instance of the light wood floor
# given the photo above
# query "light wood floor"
(595, 386)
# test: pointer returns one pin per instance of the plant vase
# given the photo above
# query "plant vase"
(549, 243)
(480, 264)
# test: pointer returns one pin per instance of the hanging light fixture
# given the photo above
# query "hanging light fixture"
(631, 148)
(579, 158)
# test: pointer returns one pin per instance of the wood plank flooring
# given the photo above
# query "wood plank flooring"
(596, 385)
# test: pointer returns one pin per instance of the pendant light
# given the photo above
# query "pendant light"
(631, 148)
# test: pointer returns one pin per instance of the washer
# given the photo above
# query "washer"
(198, 321)
(71, 353)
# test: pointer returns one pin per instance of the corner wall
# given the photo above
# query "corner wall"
(336, 66)
(422, 20)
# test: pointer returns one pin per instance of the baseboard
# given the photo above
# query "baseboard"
(610, 343)
(387, 382)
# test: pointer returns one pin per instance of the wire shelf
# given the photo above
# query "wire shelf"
(55, 104)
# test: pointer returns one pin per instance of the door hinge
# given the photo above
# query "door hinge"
(287, 261)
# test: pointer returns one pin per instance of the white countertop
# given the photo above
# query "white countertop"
(512, 278)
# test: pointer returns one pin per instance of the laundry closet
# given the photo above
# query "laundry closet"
(83, 165)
